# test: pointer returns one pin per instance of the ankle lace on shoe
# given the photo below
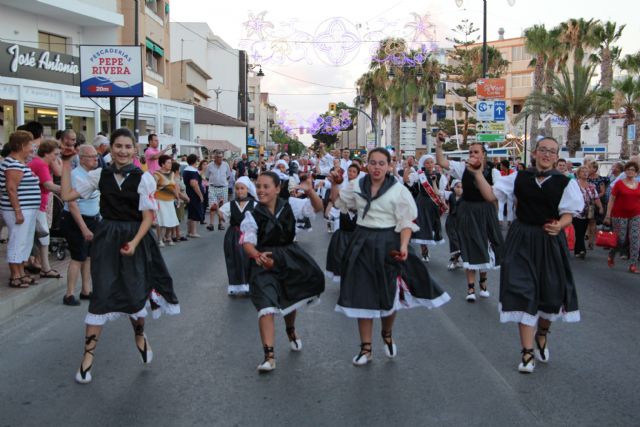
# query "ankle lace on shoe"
(542, 351)
(528, 363)
(471, 293)
(364, 356)
(294, 341)
(83, 376)
(484, 293)
(269, 363)
(390, 348)
(145, 351)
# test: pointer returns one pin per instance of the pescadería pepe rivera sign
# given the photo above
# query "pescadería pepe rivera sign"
(111, 71)
(24, 62)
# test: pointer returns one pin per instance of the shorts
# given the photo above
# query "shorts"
(20, 235)
(216, 194)
(78, 246)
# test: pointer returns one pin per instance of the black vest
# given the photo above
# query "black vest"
(284, 189)
(275, 230)
(537, 205)
(237, 215)
(120, 203)
(347, 223)
(470, 191)
(453, 204)
(433, 180)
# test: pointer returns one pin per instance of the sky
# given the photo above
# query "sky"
(306, 67)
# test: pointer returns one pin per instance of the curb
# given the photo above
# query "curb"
(20, 299)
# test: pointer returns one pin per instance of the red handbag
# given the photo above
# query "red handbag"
(570, 233)
(606, 239)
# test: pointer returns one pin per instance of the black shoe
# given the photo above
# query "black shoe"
(183, 239)
(210, 227)
(70, 300)
(220, 227)
(83, 296)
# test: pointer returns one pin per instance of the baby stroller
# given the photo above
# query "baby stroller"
(57, 243)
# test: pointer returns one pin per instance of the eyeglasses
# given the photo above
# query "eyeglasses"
(548, 151)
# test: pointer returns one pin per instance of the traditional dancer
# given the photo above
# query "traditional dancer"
(127, 269)
(536, 283)
(454, 197)
(283, 277)
(381, 274)
(480, 238)
(340, 239)
(233, 213)
(425, 186)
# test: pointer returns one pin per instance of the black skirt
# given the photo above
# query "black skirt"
(451, 227)
(335, 253)
(536, 279)
(295, 281)
(237, 262)
(428, 220)
(127, 285)
(374, 285)
(481, 242)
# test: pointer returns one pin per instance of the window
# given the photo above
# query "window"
(521, 80)
(168, 126)
(52, 42)
(517, 108)
(519, 53)
(618, 130)
(153, 60)
(185, 130)
(441, 91)
(156, 6)
(252, 112)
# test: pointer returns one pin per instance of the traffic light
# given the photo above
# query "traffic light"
(332, 108)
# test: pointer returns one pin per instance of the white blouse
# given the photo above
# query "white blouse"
(442, 183)
(302, 208)
(457, 170)
(146, 189)
(395, 208)
(225, 209)
(571, 201)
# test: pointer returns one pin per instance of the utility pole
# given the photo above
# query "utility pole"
(484, 42)
(136, 38)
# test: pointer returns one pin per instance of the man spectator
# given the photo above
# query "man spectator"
(153, 153)
(325, 161)
(562, 167)
(505, 167)
(36, 130)
(345, 161)
(79, 221)
(218, 174)
(101, 145)
(242, 166)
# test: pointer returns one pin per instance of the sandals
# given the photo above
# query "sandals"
(389, 346)
(83, 376)
(210, 227)
(32, 269)
(471, 293)
(484, 293)
(542, 351)
(294, 341)
(18, 283)
(528, 363)
(269, 363)
(145, 352)
(364, 356)
(51, 274)
(28, 280)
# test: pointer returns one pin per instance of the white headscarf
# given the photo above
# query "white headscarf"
(423, 159)
(282, 162)
(250, 186)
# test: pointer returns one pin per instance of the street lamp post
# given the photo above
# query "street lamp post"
(485, 59)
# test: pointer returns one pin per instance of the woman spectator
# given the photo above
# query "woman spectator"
(41, 166)
(204, 186)
(193, 182)
(601, 183)
(253, 171)
(181, 203)
(166, 195)
(19, 203)
(624, 212)
(591, 201)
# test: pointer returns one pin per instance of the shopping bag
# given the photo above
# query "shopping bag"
(570, 233)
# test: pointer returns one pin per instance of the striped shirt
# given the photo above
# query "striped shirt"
(28, 188)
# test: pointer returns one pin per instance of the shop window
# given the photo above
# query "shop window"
(48, 117)
(52, 42)
(168, 127)
(7, 120)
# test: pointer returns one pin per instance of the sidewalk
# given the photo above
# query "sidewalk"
(13, 300)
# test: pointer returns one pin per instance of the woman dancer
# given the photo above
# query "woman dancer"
(536, 283)
(127, 269)
(381, 274)
(282, 276)
(451, 224)
(340, 239)
(480, 238)
(425, 186)
(233, 213)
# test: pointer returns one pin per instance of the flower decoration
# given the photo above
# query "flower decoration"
(330, 125)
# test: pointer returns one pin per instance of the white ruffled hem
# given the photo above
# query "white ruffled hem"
(491, 265)
(532, 320)
(308, 302)
(333, 277)
(163, 307)
(409, 302)
(238, 289)
(428, 242)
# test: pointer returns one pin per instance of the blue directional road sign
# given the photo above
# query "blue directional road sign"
(499, 111)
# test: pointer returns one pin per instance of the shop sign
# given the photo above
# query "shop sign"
(37, 64)
(491, 88)
(111, 71)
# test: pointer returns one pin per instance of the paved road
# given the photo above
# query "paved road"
(456, 365)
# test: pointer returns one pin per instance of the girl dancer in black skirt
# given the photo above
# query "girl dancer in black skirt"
(235, 258)
(381, 274)
(480, 238)
(425, 186)
(451, 224)
(283, 277)
(340, 239)
(536, 283)
(127, 269)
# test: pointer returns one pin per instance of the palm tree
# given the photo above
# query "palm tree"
(630, 63)
(578, 35)
(573, 100)
(628, 98)
(606, 35)
(536, 42)
(556, 57)
(368, 93)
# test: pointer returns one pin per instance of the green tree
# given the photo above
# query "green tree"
(578, 35)
(573, 100)
(537, 41)
(627, 97)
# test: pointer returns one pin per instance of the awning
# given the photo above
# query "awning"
(154, 47)
(219, 144)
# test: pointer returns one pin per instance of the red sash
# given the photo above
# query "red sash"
(431, 193)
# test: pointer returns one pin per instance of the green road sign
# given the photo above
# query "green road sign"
(490, 137)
